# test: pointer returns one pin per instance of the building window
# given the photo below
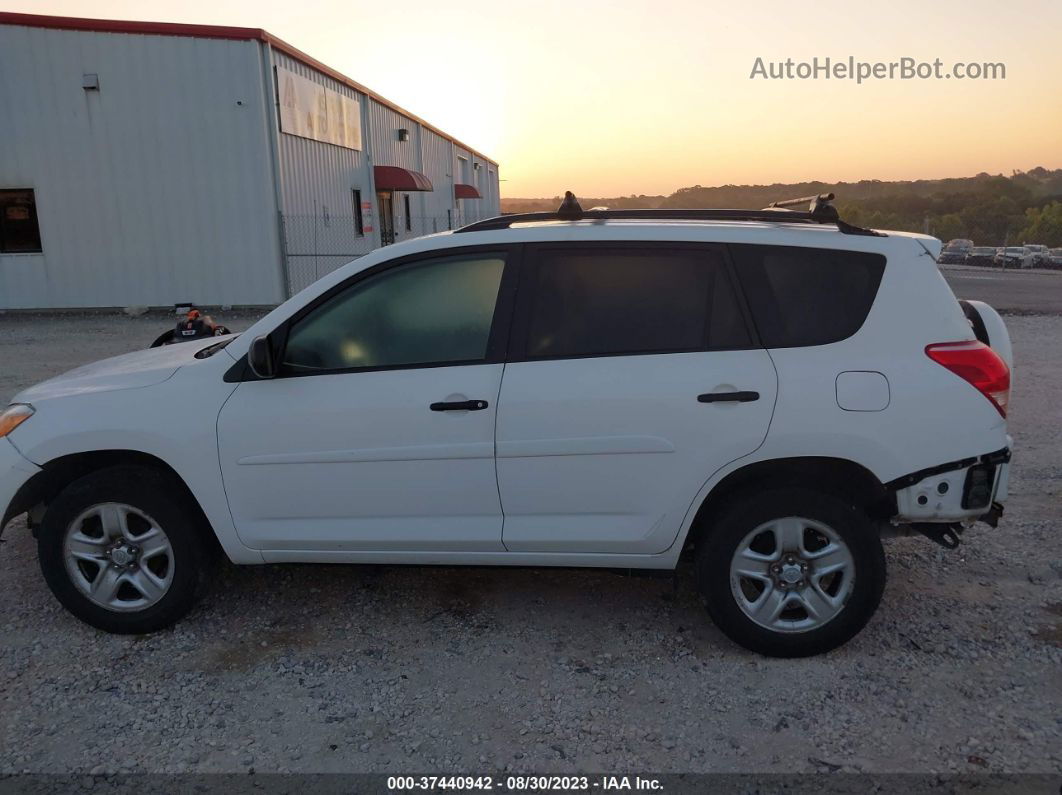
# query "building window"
(359, 220)
(409, 218)
(19, 232)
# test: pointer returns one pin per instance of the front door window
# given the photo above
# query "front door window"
(423, 313)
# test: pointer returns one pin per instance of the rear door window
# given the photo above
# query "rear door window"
(601, 301)
(807, 296)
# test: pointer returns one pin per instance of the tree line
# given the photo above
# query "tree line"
(991, 210)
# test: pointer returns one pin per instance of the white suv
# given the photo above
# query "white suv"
(771, 392)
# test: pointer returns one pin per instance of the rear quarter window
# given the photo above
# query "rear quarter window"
(807, 296)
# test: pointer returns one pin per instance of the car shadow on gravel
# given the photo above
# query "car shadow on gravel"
(1051, 633)
(256, 615)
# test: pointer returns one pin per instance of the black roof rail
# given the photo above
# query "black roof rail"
(821, 213)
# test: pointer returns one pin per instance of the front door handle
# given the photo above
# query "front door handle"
(728, 397)
(459, 405)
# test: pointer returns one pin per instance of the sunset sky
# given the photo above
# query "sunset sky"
(610, 98)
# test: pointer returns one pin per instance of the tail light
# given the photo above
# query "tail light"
(978, 364)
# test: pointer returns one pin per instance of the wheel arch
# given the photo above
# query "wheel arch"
(836, 476)
(55, 475)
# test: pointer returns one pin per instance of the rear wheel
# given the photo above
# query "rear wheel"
(791, 572)
(120, 549)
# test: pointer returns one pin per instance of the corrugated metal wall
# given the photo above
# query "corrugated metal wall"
(386, 149)
(160, 188)
(439, 168)
(315, 174)
(480, 207)
(318, 177)
(155, 189)
(467, 209)
(317, 184)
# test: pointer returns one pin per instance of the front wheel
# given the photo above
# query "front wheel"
(120, 549)
(791, 572)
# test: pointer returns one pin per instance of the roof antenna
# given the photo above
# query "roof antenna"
(570, 209)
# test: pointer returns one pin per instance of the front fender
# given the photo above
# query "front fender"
(15, 472)
(155, 421)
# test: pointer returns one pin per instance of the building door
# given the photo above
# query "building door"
(387, 217)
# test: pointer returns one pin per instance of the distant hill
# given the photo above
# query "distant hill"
(991, 210)
(615, 203)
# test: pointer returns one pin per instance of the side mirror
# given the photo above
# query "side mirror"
(260, 358)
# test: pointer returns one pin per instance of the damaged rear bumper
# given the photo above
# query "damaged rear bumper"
(961, 491)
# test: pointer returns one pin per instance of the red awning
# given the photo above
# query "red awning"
(396, 178)
(465, 191)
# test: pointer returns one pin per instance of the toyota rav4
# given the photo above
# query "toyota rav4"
(768, 393)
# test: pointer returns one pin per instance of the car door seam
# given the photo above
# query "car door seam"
(497, 480)
(221, 465)
(695, 504)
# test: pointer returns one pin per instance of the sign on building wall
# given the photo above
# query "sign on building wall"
(310, 110)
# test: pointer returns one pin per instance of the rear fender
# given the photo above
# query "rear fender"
(990, 329)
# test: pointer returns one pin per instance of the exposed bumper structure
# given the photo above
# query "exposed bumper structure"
(958, 491)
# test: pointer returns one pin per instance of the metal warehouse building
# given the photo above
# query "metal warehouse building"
(149, 164)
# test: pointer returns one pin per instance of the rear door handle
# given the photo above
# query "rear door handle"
(728, 397)
(459, 405)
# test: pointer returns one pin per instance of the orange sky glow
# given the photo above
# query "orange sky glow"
(615, 98)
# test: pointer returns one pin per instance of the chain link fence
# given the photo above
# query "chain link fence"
(315, 245)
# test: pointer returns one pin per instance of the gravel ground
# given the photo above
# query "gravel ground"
(391, 669)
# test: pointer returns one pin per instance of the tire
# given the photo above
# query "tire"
(819, 612)
(154, 580)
